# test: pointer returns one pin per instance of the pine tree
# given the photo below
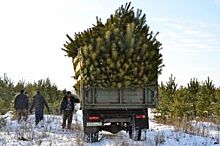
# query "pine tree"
(193, 89)
(124, 41)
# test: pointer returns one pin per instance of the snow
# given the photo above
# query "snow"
(49, 132)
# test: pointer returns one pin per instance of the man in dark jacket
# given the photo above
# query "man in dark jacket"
(67, 108)
(39, 102)
(21, 106)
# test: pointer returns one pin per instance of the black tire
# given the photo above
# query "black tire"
(91, 137)
(135, 134)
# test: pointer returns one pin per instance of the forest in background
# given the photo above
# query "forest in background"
(198, 100)
(8, 91)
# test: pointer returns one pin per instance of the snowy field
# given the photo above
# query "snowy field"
(50, 133)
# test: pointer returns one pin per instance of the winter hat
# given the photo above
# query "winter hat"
(22, 91)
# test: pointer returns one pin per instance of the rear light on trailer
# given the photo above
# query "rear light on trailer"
(94, 118)
(140, 116)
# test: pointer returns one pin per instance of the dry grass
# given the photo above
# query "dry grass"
(78, 128)
(159, 139)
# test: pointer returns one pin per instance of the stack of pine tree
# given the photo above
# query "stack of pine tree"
(123, 52)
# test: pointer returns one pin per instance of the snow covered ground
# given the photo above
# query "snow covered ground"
(50, 133)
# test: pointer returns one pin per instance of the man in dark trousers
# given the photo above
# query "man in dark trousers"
(67, 108)
(39, 102)
(21, 106)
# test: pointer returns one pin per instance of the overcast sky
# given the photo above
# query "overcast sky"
(32, 33)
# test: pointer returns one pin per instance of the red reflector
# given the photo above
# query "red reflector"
(94, 118)
(140, 116)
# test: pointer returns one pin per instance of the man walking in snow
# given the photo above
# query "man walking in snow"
(39, 102)
(21, 106)
(67, 108)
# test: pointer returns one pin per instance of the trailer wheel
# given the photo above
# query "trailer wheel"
(138, 135)
(91, 137)
(135, 134)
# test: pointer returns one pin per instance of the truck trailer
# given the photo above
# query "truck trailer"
(116, 109)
